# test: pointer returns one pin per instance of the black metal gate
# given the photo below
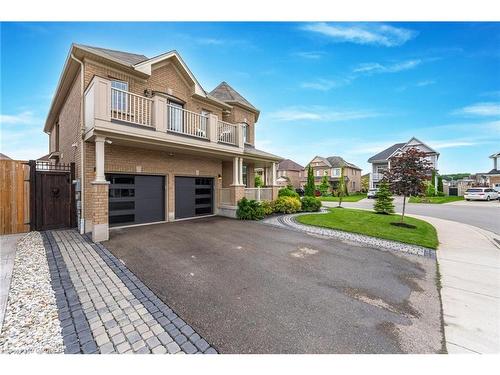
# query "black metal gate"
(453, 191)
(52, 195)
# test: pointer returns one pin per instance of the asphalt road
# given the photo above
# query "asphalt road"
(485, 215)
(248, 287)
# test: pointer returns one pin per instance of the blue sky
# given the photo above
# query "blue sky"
(348, 89)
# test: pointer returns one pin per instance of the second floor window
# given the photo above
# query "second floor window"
(175, 116)
(245, 133)
(336, 172)
(119, 96)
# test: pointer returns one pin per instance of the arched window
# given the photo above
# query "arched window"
(245, 132)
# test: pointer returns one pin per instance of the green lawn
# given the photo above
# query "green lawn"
(376, 225)
(349, 198)
(435, 200)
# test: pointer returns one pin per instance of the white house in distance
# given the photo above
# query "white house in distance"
(381, 161)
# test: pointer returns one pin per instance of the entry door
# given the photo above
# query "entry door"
(193, 196)
(53, 196)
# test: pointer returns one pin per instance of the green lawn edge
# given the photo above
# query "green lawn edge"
(349, 198)
(435, 200)
(368, 223)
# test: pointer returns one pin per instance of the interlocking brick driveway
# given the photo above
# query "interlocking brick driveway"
(105, 308)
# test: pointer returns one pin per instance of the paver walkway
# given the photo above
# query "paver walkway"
(104, 308)
(8, 244)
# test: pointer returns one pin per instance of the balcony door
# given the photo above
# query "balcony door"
(175, 117)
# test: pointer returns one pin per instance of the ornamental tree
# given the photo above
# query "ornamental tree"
(323, 187)
(309, 187)
(342, 187)
(383, 203)
(407, 174)
(258, 181)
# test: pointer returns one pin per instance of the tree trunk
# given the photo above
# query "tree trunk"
(404, 205)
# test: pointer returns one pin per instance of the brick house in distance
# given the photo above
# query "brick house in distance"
(289, 172)
(149, 143)
(332, 167)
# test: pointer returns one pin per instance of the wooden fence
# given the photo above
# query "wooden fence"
(14, 196)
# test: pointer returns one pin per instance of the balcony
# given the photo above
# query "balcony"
(377, 177)
(111, 109)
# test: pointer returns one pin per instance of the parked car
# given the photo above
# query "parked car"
(481, 193)
(300, 192)
(372, 193)
(496, 187)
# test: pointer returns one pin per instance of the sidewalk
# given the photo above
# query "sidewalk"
(469, 263)
(8, 244)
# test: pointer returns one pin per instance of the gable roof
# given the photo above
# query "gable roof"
(388, 152)
(227, 94)
(384, 155)
(338, 162)
(4, 157)
(321, 158)
(289, 165)
(125, 58)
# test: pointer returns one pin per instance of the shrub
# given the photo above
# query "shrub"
(258, 181)
(249, 210)
(383, 203)
(286, 192)
(430, 190)
(268, 207)
(311, 204)
(287, 205)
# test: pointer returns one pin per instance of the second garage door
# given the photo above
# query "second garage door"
(193, 196)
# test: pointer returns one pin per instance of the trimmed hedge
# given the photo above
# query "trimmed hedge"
(250, 210)
(311, 204)
(286, 192)
(287, 205)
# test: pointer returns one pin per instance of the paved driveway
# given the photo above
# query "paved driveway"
(251, 288)
(484, 215)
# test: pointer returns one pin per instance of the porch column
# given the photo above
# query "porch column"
(274, 185)
(99, 196)
(240, 171)
(235, 171)
(99, 159)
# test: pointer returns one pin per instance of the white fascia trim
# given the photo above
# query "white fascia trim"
(145, 67)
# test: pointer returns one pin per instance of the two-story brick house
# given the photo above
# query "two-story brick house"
(382, 161)
(332, 167)
(149, 143)
(289, 172)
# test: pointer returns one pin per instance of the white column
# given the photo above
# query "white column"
(235, 170)
(274, 175)
(99, 159)
(240, 172)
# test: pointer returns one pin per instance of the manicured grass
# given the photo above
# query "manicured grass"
(349, 198)
(376, 225)
(435, 200)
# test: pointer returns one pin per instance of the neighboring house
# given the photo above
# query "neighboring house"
(493, 176)
(381, 161)
(289, 172)
(149, 143)
(4, 157)
(332, 167)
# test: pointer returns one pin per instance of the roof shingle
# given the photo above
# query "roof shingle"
(289, 165)
(226, 93)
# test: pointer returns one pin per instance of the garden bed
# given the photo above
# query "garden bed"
(435, 200)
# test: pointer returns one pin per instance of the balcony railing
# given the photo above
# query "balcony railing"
(129, 107)
(225, 196)
(105, 104)
(226, 132)
(185, 122)
(377, 176)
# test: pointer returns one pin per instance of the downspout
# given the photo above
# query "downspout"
(82, 129)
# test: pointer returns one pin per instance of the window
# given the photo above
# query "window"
(283, 173)
(119, 96)
(318, 173)
(245, 175)
(245, 133)
(336, 172)
(201, 131)
(175, 116)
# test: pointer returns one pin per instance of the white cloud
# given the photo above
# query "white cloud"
(322, 84)
(24, 118)
(315, 113)
(371, 68)
(426, 82)
(480, 109)
(368, 33)
(451, 144)
(210, 41)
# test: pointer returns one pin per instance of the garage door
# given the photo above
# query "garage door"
(136, 199)
(193, 196)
